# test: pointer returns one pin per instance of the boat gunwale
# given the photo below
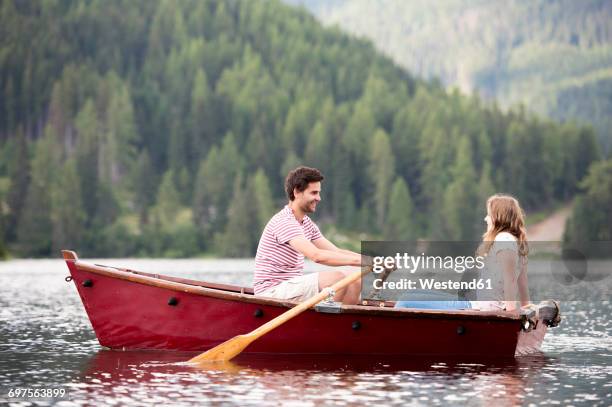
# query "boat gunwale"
(223, 292)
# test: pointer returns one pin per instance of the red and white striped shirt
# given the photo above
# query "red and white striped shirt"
(276, 261)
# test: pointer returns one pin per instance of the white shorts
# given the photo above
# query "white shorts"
(299, 288)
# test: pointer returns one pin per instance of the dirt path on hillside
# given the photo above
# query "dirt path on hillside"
(550, 229)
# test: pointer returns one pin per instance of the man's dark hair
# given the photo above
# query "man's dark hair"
(300, 178)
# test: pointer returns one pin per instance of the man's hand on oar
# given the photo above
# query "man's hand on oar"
(233, 347)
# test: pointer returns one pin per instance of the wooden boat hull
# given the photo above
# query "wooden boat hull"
(131, 310)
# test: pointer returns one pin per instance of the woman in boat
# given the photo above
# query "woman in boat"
(505, 249)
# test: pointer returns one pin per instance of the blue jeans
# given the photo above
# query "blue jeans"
(424, 299)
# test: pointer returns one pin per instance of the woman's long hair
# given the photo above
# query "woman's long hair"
(506, 216)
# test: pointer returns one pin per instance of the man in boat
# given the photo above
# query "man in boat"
(290, 236)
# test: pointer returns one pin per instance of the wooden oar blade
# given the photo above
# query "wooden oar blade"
(225, 351)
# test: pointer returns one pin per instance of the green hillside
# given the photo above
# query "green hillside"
(165, 128)
(554, 56)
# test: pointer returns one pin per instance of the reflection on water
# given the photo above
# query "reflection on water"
(359, 379)
(47, 341)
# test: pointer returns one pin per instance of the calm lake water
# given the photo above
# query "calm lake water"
(46, 341)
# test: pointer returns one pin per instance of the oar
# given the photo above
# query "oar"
(232, 347)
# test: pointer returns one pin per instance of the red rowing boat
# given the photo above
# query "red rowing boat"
(134, 310)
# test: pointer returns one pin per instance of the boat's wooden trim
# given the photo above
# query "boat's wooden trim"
(69, 255)
(234, 295)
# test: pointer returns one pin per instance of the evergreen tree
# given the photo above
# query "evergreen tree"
(183, 183)
(67, 215)
(348, 215)
(259, 190)
(237, 239)
(382, 100)
(88, 130)
(167, 29)
(298, 125)
(356, 140)
(360, 129)
(565, 182)
(400, 224)
(527, 174)
(203, 200)
(58, 116)
(485, 190)
(109, 207)
(229, 166)
(381, 171)
(591, 220)
(319, 148)
(19, 174)
(120, 136)
(168, 201)
(211, 196)
(203, 121)
(435, 150)
(258, 151)
(586, 151)
(178, 144)
(144, 185)
(460, 200)
(343, 200)
(405, 142)
(35, 229)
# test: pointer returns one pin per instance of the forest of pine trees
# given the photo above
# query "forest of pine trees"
(164, 128)
(589, 229)
(552, 56)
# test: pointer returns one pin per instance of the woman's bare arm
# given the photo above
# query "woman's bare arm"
(507, 261)
(523, 286)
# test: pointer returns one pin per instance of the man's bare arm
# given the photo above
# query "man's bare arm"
(323, 243)
(327, 256)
